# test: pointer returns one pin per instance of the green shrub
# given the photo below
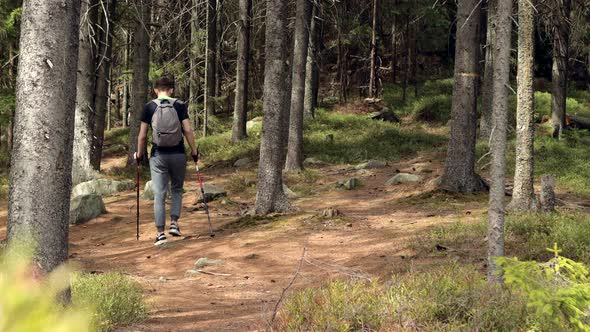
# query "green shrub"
(438, 87)
(433, 109)
(116, 299)
(450, 298)
(28, 304)
(558, 291)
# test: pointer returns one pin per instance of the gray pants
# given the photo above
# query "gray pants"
(164, 168)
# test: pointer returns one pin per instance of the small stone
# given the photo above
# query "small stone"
(191, 273)
(204, 261)
(290, 193)
(349, 184)
(371, 164)
(404, 178)
(349, 224)
(331, 213)
(163, 279)
(242, 162)
(252, 256)
(312, 161)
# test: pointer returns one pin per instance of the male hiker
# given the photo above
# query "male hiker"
(168, 118)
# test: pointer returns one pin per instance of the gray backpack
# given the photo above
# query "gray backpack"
(166, 126)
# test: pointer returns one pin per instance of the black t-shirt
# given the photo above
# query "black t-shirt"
(148, 113)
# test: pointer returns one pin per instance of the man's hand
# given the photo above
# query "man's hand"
(195, 155)
(137, 156)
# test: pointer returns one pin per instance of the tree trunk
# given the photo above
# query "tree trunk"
(407, 59)
(86, 79)
(312, 70)
(210, 59)
(394, 47)
(485, 124)
(523, 196)
(140, 81)
(459, 175)
(41, 168)
(561, 34)
(194, 67)
(501, 69)
(243, 63)
(372, 86)
(102, 97)
(125, 108)
(270, 196)
(300, 47)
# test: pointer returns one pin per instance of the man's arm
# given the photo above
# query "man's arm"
(141, 140)
(190, 137)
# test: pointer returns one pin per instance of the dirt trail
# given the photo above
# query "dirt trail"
(370, 241)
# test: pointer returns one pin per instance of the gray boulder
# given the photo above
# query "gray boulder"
(86, 207)
(371, 164)
(349, 184)
(254, 122)
(212, 193)
(101, 187)
(404, 178)
(148, 191)
(242, 162)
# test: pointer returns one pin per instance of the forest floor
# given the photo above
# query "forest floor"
(372, 239)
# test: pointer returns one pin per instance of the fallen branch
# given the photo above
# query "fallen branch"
(297, 272)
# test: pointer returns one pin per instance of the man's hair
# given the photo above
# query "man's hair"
(164, 83)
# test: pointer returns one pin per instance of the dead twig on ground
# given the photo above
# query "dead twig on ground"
(297, 272)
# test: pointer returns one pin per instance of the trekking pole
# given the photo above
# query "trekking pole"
(137, 196)
(211, 234)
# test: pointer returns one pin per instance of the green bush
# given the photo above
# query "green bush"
(433, 109)
(450, 298)
(115, 299)
(558, 291)
(29, 304)
(438, 87)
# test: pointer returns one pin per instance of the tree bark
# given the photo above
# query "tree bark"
(300, 47)
(210, 59)
(86, 79)
(485, 124)
(459, 175)
(41, 167)
(561, 34)
(196, 46)
(501, 69)
(102, 97)
(270, 196)
(312, 70)
(243, 63)
(125, 107)
(140, 81)
(394, 47)
(523, 196)
(373, 56)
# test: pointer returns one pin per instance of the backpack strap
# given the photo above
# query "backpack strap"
(158, 102)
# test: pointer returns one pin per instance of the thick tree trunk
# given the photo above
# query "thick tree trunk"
(41, 167)
(86, 78)
(523, 196)
(459, 175)
(140, 81)
(243, 63)
(561, 34)
(485, 124)
(125, 107)
(103, 79)
(501, 69)
(312, 69)
(394, 47)
(270, 196)
(210, 59)
(373, 56)
(300, 47)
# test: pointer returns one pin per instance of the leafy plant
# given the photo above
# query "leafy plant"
(558, 291)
